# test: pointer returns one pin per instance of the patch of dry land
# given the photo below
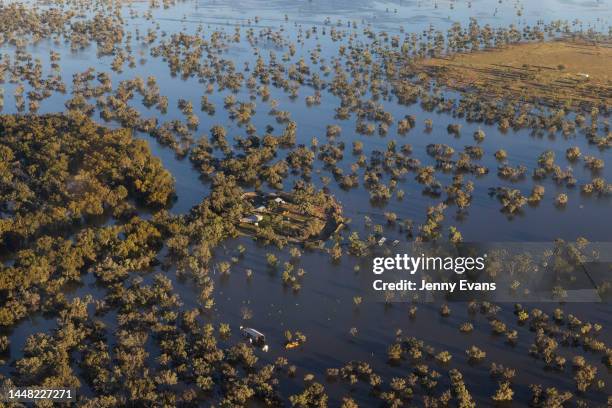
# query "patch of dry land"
(554, 73)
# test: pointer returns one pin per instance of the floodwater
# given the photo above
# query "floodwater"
(323, 309)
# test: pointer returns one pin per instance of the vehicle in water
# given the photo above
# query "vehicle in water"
(255, 337)
(292, 344)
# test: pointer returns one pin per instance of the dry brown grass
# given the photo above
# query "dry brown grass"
(548, 72)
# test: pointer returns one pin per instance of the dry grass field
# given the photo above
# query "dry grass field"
(551, 72)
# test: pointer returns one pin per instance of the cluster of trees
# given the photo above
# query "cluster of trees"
(59, 175)
(77, 171)
(57, 171)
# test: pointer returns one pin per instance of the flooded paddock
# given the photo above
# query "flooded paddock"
(321, 93)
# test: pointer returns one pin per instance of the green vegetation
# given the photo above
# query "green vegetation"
(59, 176)
(84, 209)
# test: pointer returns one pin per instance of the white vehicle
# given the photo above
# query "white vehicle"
(255, 337)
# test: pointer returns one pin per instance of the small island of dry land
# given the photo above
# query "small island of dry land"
(564, 72)
(290, 216)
